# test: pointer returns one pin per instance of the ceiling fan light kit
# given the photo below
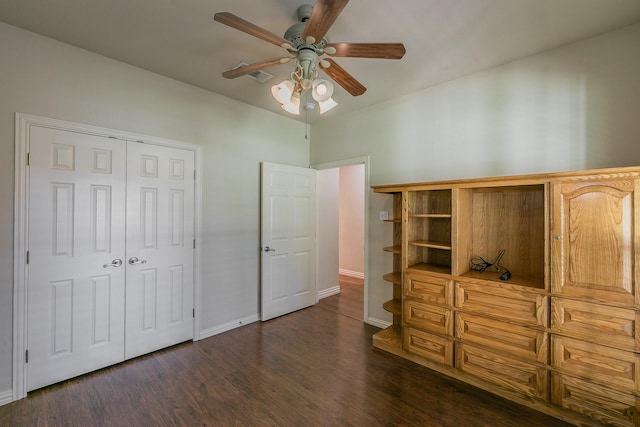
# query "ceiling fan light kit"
(307, 41)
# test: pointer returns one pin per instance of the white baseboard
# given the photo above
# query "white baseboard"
(328, 292)
(228, 326)
(6, 397)
(382, 324)
(356, 274)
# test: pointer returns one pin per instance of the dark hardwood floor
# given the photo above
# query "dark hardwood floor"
(315, 367)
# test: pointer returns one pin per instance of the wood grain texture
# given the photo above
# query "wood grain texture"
(519, 341)
(606, 405)
(428, 317)
(369, 50)
(325, 13)
(313, 367)
(432, 347)
(344, 79)
(595, 241)
(247, 27)
(502, 303)
(611, 326)
(529, 379)
(429, 289)
(611, 367)
(242, 71)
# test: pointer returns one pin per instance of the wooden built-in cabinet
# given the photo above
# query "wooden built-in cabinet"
(560, 332)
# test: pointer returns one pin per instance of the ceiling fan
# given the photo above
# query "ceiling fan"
(307, 43)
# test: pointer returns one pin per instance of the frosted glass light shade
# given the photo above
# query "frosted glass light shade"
(322, 90)
(327, 105)
(293, 106)
(283, 91)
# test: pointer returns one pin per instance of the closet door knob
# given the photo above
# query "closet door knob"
(135, 260)
(115, 263)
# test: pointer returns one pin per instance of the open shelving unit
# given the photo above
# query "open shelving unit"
(429, 230)
(509, 218)
(390, 337)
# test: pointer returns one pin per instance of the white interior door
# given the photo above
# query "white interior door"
(288, 241)
(76, 284)
(160, 252)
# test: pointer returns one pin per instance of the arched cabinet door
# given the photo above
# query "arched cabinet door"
(594, 240)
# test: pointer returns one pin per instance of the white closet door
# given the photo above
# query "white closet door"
(160, 233)
(76, 243)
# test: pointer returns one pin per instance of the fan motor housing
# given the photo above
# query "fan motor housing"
(294, 35)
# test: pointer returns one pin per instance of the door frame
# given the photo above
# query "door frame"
(23, 123)
(364, 160)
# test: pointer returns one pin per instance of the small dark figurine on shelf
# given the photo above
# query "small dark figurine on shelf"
(480, 264)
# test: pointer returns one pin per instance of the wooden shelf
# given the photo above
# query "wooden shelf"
(395, 277)
(395, 220)
(430, 268)
(393, 306)
(394, 249)
(429, 244)
(427, 215)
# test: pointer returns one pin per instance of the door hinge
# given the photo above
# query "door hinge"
(29, 158)
(26, 356)
(194, 243)
(194, 174)
(194, 313)
(27, 257)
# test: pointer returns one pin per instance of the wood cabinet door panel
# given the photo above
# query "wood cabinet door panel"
(603, 404)
(431, 347)
(492, 301)
(595, 245)
(513, 340)
(616, 327)
(524, 378)
(429, 289)
(428, 317)
(608, 366)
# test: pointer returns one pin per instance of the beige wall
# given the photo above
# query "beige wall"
(570, 108)
(328, 239)
(351, 228)
(43, 77)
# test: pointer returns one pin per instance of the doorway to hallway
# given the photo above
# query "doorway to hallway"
(342, 224)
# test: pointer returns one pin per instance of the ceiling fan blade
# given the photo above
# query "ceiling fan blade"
(241, 71)
(368, 50)
(247, 27)
(344, 79)
(324, 14)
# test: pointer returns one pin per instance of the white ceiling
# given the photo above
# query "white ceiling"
(445, 39)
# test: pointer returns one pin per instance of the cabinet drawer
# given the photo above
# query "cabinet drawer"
(493, 301)
(431, 318)
(606, 405)
(513, 340)
(431, 347)
(608, 366)
(527, 379)
(429, 289)
(616, 327)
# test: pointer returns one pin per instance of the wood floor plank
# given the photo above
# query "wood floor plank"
(315, 367)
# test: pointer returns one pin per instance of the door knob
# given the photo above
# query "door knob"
(135, 260)
(115, 263)
(268, 249)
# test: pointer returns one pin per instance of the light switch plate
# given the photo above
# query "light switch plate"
(384, 215)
